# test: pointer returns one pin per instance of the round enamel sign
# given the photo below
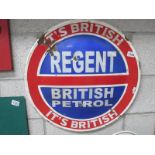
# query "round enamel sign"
(82, 75)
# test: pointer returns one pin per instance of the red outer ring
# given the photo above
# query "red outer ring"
(132, 80)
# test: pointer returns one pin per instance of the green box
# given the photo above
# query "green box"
(13, 116)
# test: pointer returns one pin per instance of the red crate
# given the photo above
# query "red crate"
(5, 46)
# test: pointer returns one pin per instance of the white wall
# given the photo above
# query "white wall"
(140, 118)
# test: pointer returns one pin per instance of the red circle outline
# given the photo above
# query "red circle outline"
(33, 81)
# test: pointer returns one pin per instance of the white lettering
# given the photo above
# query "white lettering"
(75, 28)
(111, 54)
(55, 60)
(66, 62)
(89, 62)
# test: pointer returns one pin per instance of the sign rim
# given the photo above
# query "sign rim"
(98, 127)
